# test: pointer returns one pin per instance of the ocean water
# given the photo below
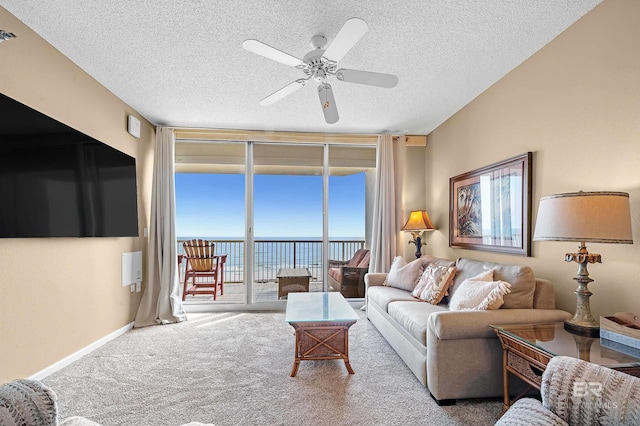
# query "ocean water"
(272, 254)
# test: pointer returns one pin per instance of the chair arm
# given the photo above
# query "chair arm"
(584, 393)
(337, 263)
(352, 283)
(449, 325)
(27, 402)
(352, 273)
(530, 412)
(374, 278)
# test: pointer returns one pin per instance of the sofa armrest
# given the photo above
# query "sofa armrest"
(374, 278)
(449, 325)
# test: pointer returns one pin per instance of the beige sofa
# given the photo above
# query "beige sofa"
(455, 353)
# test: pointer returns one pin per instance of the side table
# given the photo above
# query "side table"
(292, 280)
(527, 349)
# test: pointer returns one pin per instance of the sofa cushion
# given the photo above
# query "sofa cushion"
(434, 283)
(478, 294)
(413, 317)
(521, 278)
(335, 273)
(405, 275)
(382, 296)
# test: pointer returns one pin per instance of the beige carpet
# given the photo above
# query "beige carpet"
(233, 369)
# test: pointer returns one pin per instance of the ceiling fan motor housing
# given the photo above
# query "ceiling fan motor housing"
(318, 67)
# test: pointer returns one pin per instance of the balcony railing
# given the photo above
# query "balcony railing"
(271, 255)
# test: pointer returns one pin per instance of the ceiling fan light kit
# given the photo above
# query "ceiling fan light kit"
(320, 64)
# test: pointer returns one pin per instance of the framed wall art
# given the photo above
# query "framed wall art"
(490, 208)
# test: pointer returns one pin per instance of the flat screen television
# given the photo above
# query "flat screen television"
(58, 182)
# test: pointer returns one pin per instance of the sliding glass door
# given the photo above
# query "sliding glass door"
(288, 219)
(351, 173)
(277, 212)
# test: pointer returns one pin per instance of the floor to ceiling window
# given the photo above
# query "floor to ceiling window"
(296, 207)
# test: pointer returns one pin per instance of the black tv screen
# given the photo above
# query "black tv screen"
(58, 182)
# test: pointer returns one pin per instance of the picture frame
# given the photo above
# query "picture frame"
(490, 208)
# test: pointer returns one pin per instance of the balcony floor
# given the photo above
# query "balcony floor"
(236, 293)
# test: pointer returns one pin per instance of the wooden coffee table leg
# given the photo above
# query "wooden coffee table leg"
(348, 365)
(294, 370)
(296, 360)
(346, 351)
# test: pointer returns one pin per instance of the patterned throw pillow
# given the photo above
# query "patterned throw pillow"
(404, 275)
(479, 295)
(434, 283)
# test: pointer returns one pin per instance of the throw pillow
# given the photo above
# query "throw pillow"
(434, 283)
(479, 295)
(486, 275)
(404, 275)
(521, 278)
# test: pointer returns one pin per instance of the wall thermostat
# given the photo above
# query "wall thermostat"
(133, 126)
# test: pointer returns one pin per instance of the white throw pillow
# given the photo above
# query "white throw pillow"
(479, 295)
(404, 275)
(434, 283)
(487, 275)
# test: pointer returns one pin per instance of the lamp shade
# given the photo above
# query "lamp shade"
(599, 217)
(418, 221)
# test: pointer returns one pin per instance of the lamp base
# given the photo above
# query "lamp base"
(581, 329)
(418, 243)
(583, 322)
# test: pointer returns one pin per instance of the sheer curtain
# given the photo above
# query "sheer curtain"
(387, 208)
(161, 302)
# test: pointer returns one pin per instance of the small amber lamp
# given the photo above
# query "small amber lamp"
(417, 223)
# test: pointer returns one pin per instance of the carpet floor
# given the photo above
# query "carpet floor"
(233, 369)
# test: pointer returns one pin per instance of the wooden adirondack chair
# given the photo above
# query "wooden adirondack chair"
(204, 268)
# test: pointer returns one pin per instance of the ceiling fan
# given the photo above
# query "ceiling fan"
(321, 63)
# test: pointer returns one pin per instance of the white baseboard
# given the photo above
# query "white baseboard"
(79, 354)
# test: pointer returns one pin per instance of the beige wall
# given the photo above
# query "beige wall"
(58, 295)
(576, 105)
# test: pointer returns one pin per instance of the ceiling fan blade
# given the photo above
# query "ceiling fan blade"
(347, 37)
(269, 52)
(328, 103)
(286, 90)
(367, 77)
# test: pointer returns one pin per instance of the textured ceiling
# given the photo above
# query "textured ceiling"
(181, 62)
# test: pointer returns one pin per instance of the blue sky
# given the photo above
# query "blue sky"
(209, 205)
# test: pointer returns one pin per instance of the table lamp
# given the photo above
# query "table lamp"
(417, 223)
(598, 217)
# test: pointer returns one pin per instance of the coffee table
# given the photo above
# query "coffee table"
(321, 322)
(528, 348)
(292, 280)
